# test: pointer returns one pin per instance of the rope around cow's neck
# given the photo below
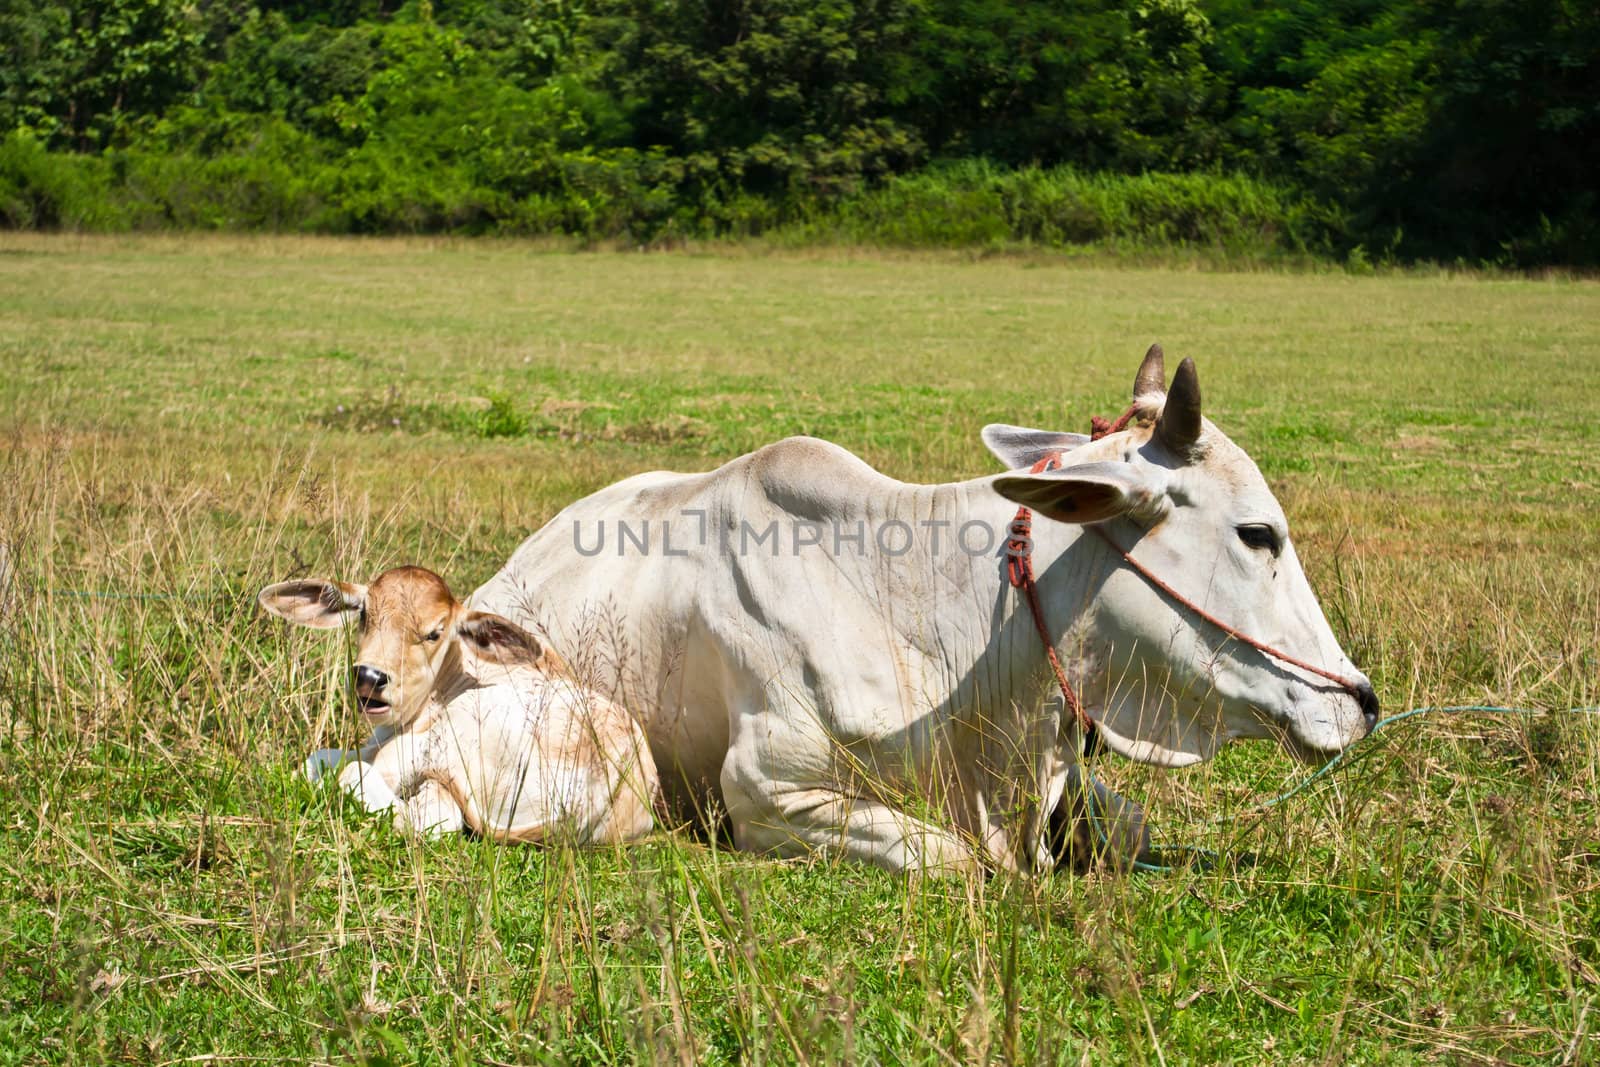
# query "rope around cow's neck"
(1019, 568)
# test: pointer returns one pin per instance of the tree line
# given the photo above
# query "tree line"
(1449, 130)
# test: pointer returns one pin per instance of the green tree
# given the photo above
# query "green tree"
(1101, 83)
(526, 41)
(83, 74)
(778, 97)
(1509, 166)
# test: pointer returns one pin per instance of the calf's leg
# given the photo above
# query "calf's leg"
(430, 812)
(323, 760)
(364, 782)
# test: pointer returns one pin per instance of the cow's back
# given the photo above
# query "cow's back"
(634, 609)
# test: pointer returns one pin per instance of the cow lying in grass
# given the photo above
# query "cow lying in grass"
(841, 661)
(476, 724)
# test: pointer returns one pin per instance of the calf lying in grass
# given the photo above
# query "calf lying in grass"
(476, 724)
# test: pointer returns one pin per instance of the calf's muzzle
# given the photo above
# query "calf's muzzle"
(368, 681)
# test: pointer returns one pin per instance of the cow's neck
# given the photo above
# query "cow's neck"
(1001, 659)
(1071, 569)
(1016, 742)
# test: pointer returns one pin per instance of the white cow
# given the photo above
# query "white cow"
(839, 658)
(476, 724)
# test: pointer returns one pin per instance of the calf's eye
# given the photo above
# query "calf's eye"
(433, 635)
(1260, 535)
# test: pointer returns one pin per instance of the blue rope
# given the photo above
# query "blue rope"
(1212, 856)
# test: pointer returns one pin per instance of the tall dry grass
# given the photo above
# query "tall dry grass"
(172, 890)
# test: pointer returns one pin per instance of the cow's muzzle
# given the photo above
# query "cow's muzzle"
(1367, 698)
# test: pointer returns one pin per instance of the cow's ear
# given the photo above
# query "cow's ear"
(1088, 492)
(1019, 448)
(320, 605)
(497, 639)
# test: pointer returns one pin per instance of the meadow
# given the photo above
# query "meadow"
(185, 420)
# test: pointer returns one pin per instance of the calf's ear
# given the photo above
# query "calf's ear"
(497, 639)
(1088, 492)
(317, 604)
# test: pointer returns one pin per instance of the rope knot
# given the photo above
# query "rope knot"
(1100, 426)
(1019, 546)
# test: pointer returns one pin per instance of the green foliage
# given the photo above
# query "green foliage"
(41, 190)
(208, 169)
(269, 68)
(977, 203)
(84, 74)
(527, 41)
(500, 418)
(1460, 129)
(1385, 131)
(778, 97)
(1102, 84)
(1515, 147)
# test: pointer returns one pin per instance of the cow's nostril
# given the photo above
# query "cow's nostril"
(368, 679)
(1367, 697)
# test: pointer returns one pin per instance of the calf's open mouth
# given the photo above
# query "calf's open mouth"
(372, 705)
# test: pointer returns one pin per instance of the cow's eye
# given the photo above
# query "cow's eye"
(1260, 535)
(433, 635)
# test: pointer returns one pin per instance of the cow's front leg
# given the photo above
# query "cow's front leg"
(430, 812)
(1093, 825)
(768, 816)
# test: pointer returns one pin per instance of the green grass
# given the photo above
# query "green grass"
(190, 419)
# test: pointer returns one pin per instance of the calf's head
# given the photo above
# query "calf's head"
(1192, 507)
(413, 636)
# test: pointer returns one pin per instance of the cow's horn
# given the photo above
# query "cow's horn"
(1179, 425)
(1152, 376)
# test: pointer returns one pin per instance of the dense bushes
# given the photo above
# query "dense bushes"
(44, 190)
(277, 182)
(977, 203)
(1411, 129)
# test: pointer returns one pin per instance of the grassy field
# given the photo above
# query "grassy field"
(187, 420)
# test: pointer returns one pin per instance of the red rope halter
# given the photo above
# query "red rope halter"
(1019, 567)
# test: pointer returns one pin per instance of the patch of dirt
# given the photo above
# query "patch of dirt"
(561, 410)
(667, 430)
